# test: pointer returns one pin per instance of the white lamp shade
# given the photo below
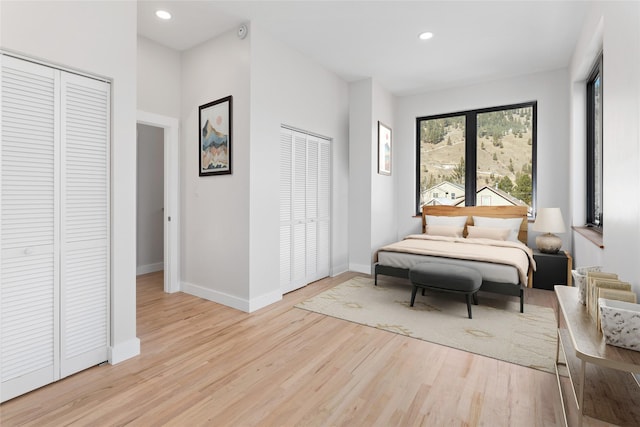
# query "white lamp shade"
(549, 220)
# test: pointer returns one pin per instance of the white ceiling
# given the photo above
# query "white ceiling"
(474, 41)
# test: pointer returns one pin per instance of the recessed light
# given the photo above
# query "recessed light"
(425, 36)
(163, 14)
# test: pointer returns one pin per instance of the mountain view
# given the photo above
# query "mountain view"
(503, 151)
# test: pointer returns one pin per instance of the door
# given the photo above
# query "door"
(84, 223)
(304, 209)
(54, 224)
(29, 227)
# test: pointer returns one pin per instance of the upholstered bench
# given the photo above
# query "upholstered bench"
(449, 278)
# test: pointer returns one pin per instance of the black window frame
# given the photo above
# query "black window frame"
(591, 220)
(471, 146)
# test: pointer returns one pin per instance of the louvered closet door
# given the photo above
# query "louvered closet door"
(286, 144)
(298, 202)
(311, 243)
(324, 209)
(29, 288)
(85, 223)
(304, 209)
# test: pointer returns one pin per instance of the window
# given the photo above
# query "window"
(487, 155)
(594, 146)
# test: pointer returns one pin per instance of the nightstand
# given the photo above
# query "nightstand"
(551, 269)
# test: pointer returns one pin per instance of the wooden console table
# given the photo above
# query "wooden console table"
(601, 375)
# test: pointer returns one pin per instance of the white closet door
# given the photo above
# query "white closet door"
(299, 228)
(304, 209)
(311, 220)
(324, 209)
(286, 144)
(85, 223)
(29, 286)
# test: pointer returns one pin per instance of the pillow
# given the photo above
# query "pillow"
(474, 232)
(456, 221)
(444, 230)
(512, 224)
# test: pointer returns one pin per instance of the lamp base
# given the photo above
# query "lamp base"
(548, 243)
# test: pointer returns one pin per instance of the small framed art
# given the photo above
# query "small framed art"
(215, 125)
(384, 149)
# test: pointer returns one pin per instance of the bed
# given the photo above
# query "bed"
(502, 257)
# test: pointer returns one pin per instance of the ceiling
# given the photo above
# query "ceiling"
(474, 41)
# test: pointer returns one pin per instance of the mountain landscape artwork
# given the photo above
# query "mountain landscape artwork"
(215, 124)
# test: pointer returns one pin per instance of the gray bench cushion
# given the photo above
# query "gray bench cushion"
(446, 277)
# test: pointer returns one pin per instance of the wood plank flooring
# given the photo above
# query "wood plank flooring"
(206, 364)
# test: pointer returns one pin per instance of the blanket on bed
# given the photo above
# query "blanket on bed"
(516, 254)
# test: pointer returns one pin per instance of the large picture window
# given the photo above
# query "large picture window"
(594, 146)
(477, 157)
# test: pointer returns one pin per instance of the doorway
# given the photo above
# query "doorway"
(169, 212)
(150, 199)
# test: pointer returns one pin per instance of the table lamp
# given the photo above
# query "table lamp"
(548, 221)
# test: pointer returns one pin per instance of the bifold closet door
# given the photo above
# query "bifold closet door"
(84, 233)
(304, 209)
(29, 227)
(54, 225)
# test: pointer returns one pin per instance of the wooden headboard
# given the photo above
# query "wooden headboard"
(488, 211)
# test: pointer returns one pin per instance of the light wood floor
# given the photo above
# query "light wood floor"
(206, 364)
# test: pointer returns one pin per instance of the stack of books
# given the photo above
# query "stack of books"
(606, 285)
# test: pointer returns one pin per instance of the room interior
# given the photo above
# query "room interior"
(289, 70)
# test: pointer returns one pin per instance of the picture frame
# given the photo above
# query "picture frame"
(384, 149)
(215, 142)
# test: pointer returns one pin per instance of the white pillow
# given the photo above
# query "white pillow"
(456, 221)
(444, 230)
(474, 232)
(512, 224)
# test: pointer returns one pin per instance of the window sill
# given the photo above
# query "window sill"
(590, 234)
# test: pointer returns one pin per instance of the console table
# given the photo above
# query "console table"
(600, 375)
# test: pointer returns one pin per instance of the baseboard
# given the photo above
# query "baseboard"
(335, 271)
(360, 268)
(123, 351)
(264, 300)
(241, 304)
(216, 296)
(149, 268)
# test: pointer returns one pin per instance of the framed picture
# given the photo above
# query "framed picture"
(384, 149)
(215, 125)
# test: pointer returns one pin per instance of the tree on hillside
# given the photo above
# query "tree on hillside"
(433, 131)
(506, 184)
(457, 176)
(523, 188)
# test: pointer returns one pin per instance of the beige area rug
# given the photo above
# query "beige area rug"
(497, 330)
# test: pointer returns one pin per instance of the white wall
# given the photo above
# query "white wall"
(372, 200)
(159, 70)
(215, 209)
(150, 200)
(550, 89)
(360, 175)
(616, 27)
(384, 222)
(81, 35)
(287, 88)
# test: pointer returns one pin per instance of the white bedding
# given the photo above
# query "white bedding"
(497, 261)
(492, 272)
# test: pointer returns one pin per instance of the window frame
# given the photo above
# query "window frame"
(471, 147)
(591, 220)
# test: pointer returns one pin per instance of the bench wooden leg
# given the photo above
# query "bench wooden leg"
(468, 305)
(475, 298)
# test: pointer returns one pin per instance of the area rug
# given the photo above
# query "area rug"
(497, 330)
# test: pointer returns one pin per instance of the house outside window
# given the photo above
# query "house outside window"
(595, 147)
(492, 148)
